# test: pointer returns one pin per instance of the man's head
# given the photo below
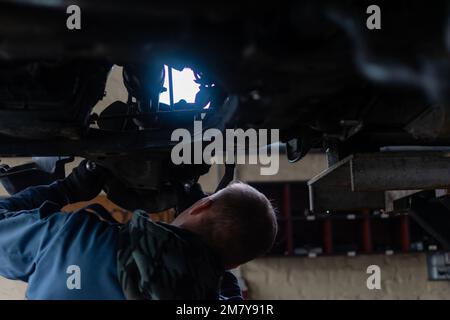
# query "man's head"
(237, 222)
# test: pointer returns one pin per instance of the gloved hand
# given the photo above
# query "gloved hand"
(85, 182)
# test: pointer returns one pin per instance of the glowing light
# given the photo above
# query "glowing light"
(184, 86)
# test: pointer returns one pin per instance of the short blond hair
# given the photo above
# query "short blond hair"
(242, 225)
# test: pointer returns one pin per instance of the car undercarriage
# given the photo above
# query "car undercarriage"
(311, 69)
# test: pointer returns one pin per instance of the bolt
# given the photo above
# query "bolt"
(91, 166)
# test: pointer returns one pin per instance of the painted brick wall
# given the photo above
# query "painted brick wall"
(12, 290)
(402, 277)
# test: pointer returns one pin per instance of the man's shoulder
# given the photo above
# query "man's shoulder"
(99, 215)
(82, 229)
(85, 221)
(74, 252)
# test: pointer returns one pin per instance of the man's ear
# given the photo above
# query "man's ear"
(200, 206)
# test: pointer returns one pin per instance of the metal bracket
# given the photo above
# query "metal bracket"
(359, 181)
(332, 190)
(438, 266)
(42, 171)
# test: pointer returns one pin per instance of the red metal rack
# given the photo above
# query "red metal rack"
(339, 233)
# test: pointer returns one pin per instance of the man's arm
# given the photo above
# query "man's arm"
(82, 184)
(24, 232)
(34, 197)
(22, 235)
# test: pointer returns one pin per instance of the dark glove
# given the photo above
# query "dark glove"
(229, 288)
(85, 182)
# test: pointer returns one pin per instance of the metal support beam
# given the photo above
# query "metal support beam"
(430, 213)
(359, 181)
(331, 190)
(400, 171)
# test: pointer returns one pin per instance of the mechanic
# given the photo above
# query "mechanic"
(88, 255)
